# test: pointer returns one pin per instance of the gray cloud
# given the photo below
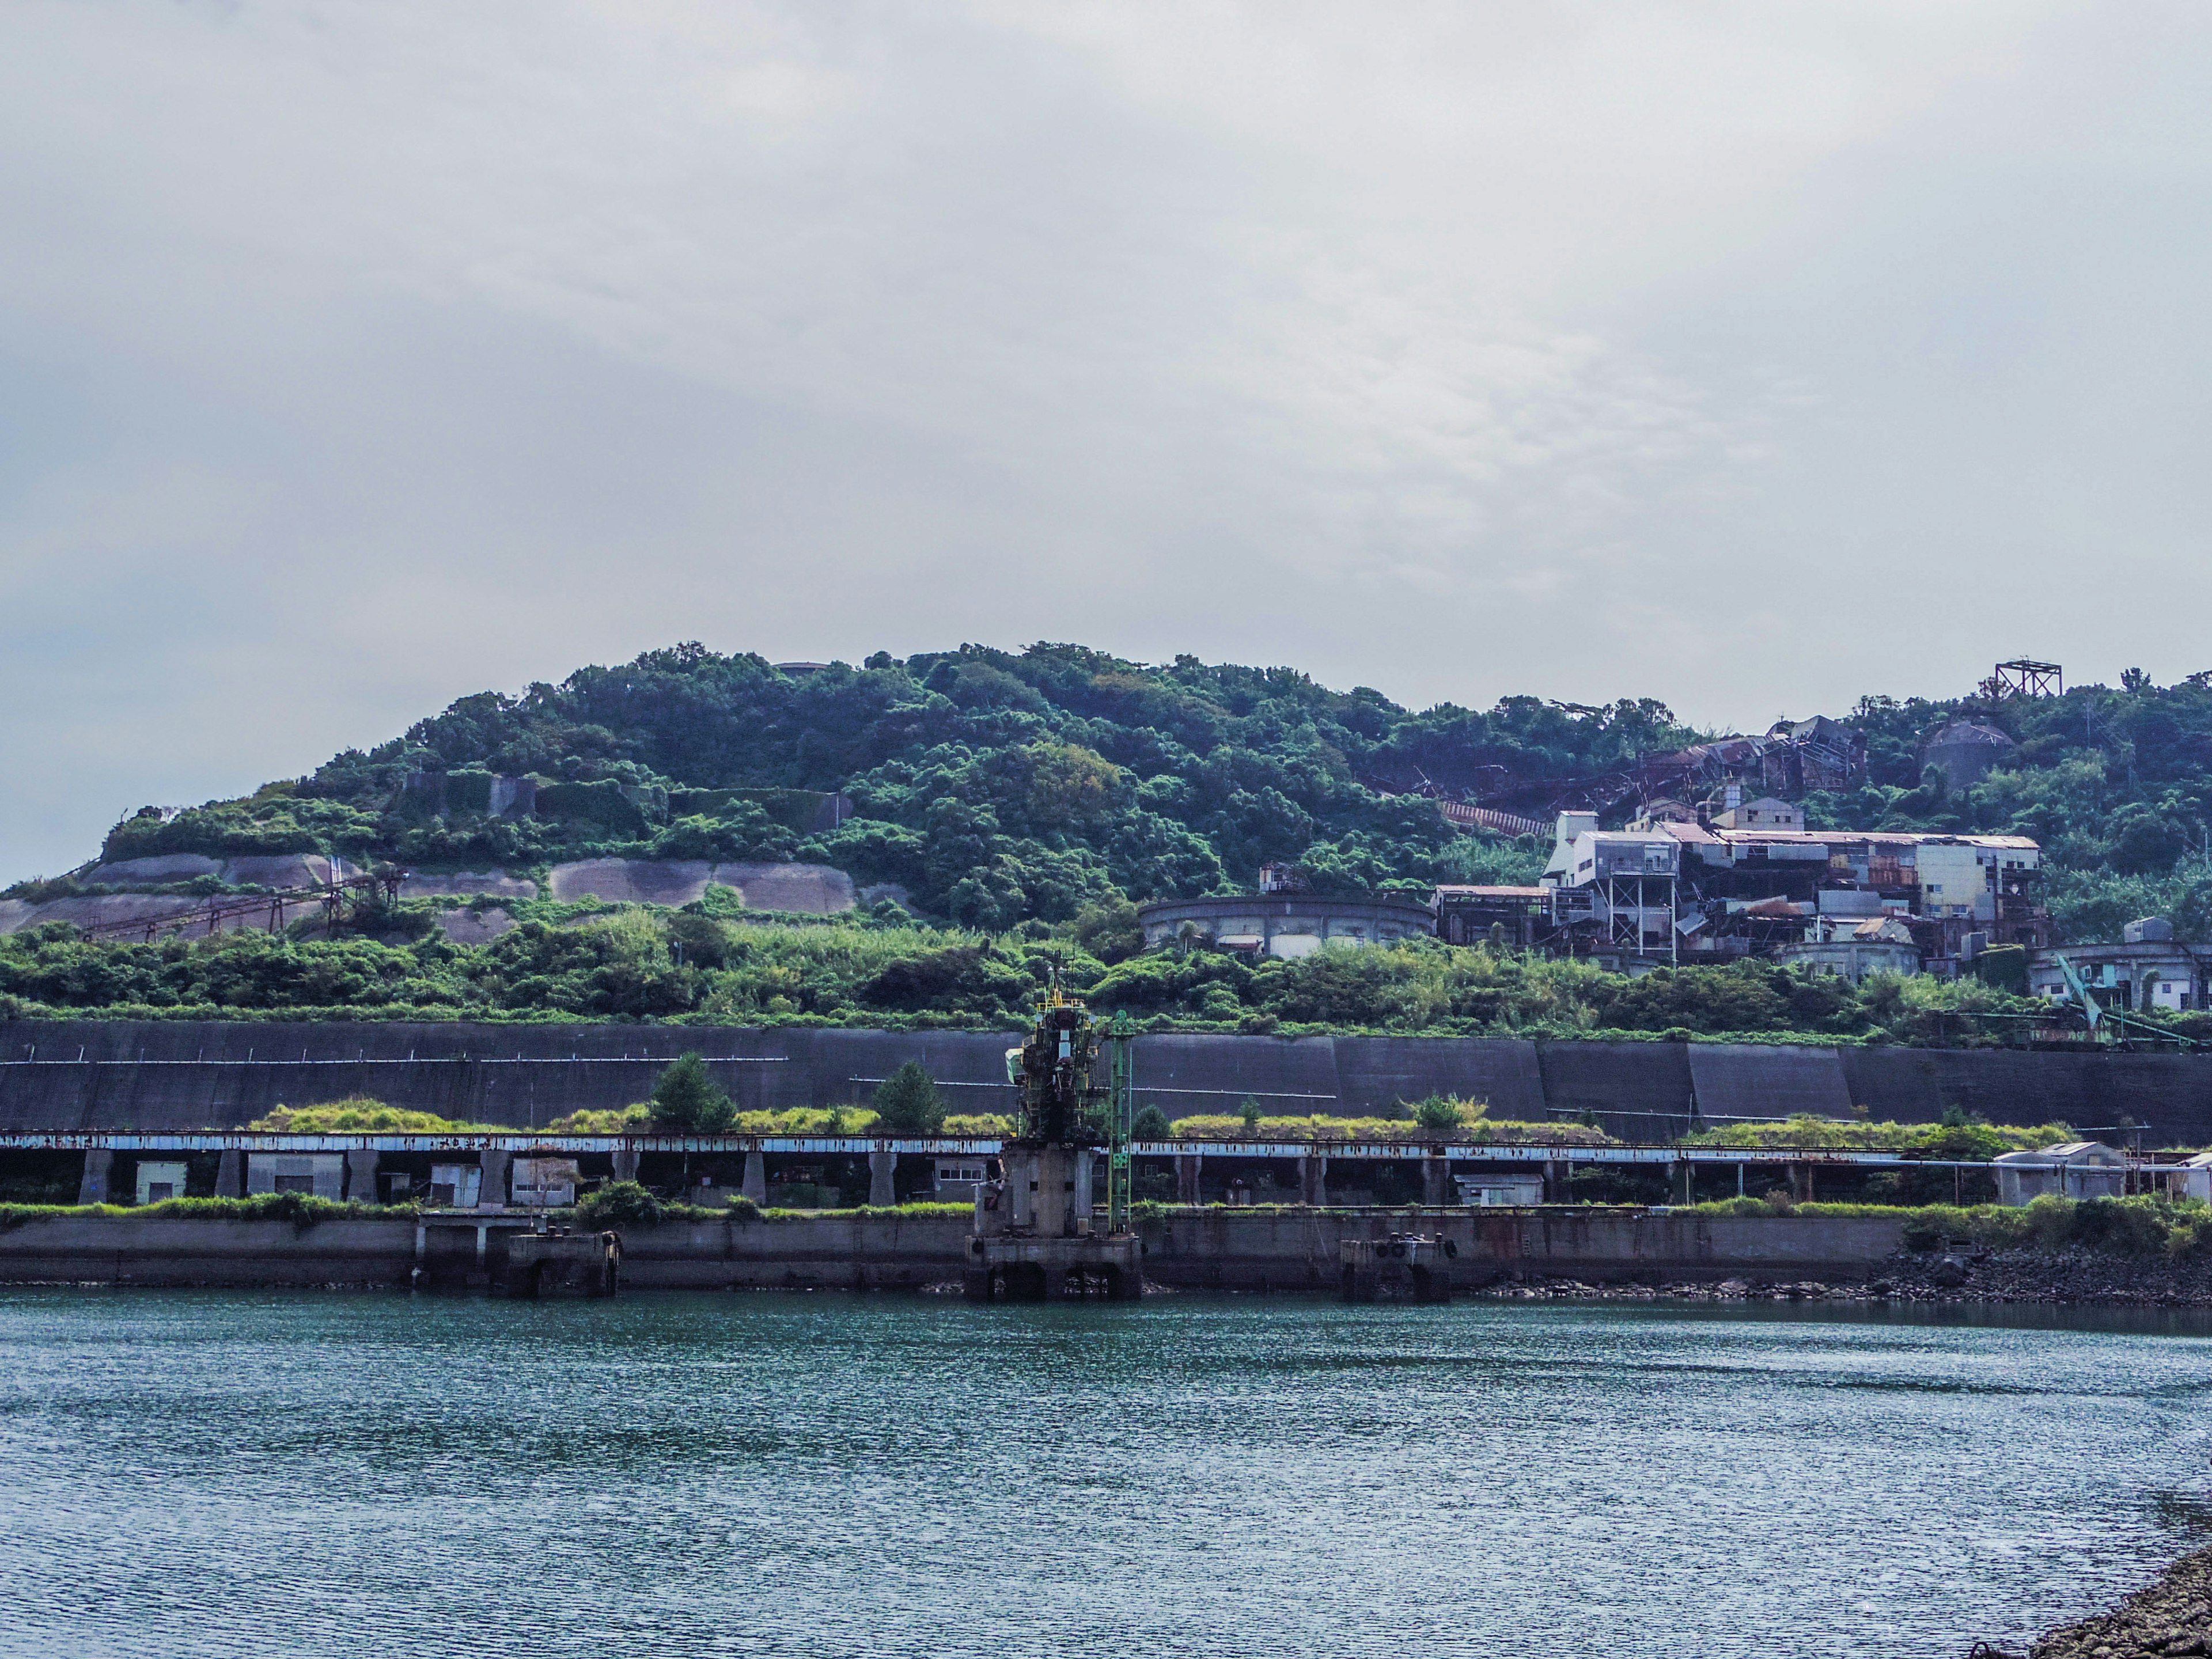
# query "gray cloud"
(353, 357)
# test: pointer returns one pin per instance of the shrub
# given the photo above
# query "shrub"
(1439, 1116)
(1152, 1125)
(620, 1204)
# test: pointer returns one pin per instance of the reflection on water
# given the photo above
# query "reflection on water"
(236, 1473)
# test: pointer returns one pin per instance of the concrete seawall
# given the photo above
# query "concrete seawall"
(152, 1075)
(1200, 1249)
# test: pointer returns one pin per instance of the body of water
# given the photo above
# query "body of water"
(231, 1474)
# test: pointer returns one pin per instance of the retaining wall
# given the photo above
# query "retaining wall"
(99, 1074)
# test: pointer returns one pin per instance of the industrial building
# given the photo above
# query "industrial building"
(2073, 1169)
(1282, 919)
(1682, 886)
(2148, 969)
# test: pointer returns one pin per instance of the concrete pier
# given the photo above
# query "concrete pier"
(625, 1165)
(1313, 1179)
(230, 1174)
(1402, 1267)
(493, 1194)
(755, 1185)
(883, 1191)
(92, 1186)
(1187, 1168)
(562, 1264)
(361, 1177)
(1436, 1180)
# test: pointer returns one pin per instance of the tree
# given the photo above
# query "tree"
(1152, 1125)
(688, 1099)
(908, 1103)
(1250, 1114)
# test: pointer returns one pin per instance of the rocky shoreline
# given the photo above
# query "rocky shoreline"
(2052, 1277)
(2173, 1616)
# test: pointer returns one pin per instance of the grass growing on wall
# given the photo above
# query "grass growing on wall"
(359, 1115)
(303, 1210)
(2149, 1225)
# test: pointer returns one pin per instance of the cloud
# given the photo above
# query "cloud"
(353, 357)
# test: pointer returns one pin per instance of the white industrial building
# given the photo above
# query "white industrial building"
(2073, 1169)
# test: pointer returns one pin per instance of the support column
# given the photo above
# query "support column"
(1313, 1179)
(230, 1174)
(882, 1193)
(755, 1185)
(493, 1194)
(361, 1177)
(625, 1165)
(92, 1188)
(1436, 1180)
(1187, 1166)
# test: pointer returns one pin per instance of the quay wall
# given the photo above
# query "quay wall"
(1198, 1250)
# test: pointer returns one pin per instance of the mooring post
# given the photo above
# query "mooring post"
(230, 1174)
(755, 1186)
(1187, 1166)
(883, 1193)
(92, 1188)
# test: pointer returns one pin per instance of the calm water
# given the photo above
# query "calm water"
(219, 1474)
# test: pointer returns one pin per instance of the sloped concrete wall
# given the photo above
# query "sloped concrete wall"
(97, 1074)
(1743, 1080)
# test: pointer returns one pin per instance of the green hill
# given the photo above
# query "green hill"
(1022, 799)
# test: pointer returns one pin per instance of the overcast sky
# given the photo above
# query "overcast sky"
(357, 356)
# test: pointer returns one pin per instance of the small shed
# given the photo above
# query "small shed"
(2073, 1169)
(2190, 1178)
(455, 1185)
(1489, 1191)
(957, 1179)
(322, 1174)
(544, 1183)
(157, 1182)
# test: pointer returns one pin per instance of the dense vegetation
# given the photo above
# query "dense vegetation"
(1022, 801)
(619, 963)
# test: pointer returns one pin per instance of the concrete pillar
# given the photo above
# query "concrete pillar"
(493, 1195)
(882, 1193)
(230, 1176)
(1187, 1165)
(1436, 1180)
(1313, 1179)
(625, 1166)
(755, 1186)
(92, 1188)
(361, 1177)
(1557, 1171)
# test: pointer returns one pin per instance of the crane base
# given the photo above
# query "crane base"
(1093, 1269)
